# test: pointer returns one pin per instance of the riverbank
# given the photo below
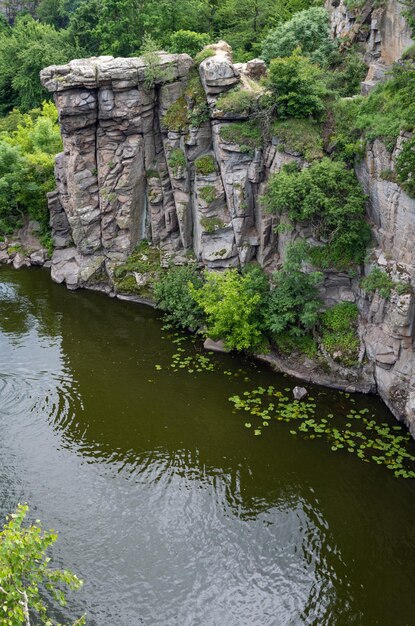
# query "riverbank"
(25, 250)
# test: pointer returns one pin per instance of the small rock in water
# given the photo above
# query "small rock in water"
(299, 393)
(215, 346)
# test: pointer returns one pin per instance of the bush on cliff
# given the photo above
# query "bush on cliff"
(327, 198)
(405, 167)
(339, 332)
(293, 305)
(234, 306)
(297, 87)
(174, 296)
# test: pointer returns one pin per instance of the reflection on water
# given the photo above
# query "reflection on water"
(167, 507)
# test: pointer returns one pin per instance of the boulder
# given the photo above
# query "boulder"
(299, 392)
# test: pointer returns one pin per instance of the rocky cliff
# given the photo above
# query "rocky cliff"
(193, 187)
(377, 26)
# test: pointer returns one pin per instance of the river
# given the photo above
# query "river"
(170, 509)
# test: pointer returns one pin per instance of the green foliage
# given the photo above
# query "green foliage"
(301, 136)
(339, 333)
(177, 160)
(208, 194)
(347, 71)
(202, 55)
(405, 167)
(188, 41)
(173, 296)
(238, 101)
(83, 30)
(28, 143)
(176, 117)
(409, 14)
(327, 197)
(293, 304)
(154, 73)
(25, 572)
(245, 23)
(309, 30)
(247, 135)
(211, 224)
(378, 280)
(24, 51)
(144, 261)
(191, 109)
(388, 109)
(205, 165)
(233, 304)
(297, 87)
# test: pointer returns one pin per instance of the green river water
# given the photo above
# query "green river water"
(168, 507)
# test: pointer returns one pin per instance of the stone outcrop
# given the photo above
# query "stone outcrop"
(388, 325)
(380, 29)
(127, 174)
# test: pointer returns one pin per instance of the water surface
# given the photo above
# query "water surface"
(166, 505)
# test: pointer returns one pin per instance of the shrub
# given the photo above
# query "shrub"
(234, 304)
(191, 109)
(405, 167)
(210, 224)
(188, 41)
(339, 332)
(177, 160)
(208, 194)
(293, 304)
(378, 280)
(327, 197)
(153, 72)
(297, 86)
(205, 165)
(174, 298)
(238, 101)
(388, 109)
(145, 260)
(202, 55)
(246, 134)
(301, 136)
(347, 72)
(309, 30)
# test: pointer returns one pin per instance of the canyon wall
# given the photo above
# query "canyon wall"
(125, 176)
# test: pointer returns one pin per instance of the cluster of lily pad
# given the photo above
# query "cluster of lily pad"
(191, 360)
(357, 433)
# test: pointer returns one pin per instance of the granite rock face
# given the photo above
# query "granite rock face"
(125, 176)
(382, 31)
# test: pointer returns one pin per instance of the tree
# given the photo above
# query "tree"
(297, 86)
(25, 572)
(82, 29)
(244, 23)
(28, 143)
(309, 30)
(27, 49)
(234, 305)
